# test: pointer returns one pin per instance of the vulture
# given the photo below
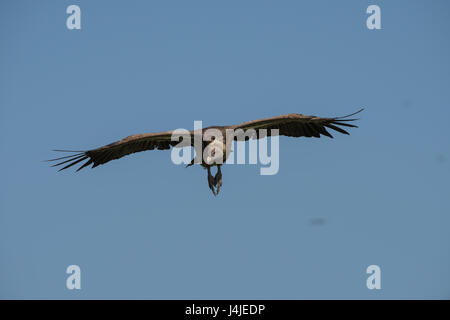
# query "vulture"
(291, 125)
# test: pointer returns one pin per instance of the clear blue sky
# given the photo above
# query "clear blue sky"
(141, 227)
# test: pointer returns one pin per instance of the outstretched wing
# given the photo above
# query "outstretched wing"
(297, 125)
(121, 148)
(292, 125)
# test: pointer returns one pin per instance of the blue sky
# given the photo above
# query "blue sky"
(141, 227)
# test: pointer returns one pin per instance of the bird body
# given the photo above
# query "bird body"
(216, 141)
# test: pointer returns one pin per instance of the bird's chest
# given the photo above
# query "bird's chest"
(214, 152)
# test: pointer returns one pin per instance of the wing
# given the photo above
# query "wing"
(121, 148)
(292, 125)
(297, 125)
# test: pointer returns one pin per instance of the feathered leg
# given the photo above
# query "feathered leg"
(211, 182)
(218, 179)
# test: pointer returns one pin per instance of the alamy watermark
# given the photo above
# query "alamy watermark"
(373, 22)
(374, 280)
(73, 281)
(214, 146)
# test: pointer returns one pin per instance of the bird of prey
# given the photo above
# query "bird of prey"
(291, 125)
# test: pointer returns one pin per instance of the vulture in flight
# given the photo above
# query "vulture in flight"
(291, 125)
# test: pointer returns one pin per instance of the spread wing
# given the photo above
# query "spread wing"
(296, 125)
(121, 148)
(292, 125)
